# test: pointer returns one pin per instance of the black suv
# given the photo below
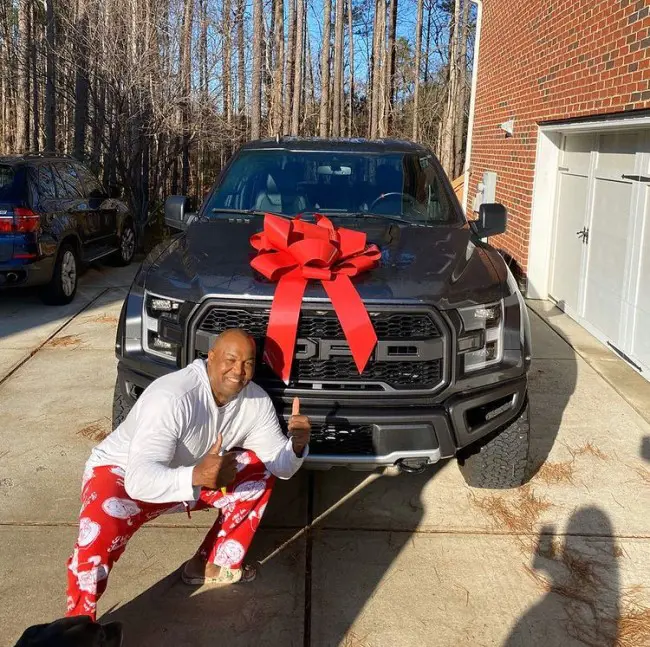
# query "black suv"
(54, 216)
(448, 376)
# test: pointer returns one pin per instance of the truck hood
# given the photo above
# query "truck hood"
(443, 266)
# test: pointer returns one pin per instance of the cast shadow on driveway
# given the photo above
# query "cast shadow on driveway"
(581, 577)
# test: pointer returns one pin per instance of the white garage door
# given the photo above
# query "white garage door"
(601, 256)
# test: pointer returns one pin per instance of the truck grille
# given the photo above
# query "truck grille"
(401, 366)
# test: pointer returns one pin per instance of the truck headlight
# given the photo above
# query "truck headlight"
(158, 310)
(480, 343)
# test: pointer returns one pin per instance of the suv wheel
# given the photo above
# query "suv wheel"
(63, 285)
(124, 255)
(122, 404)
(503, 461)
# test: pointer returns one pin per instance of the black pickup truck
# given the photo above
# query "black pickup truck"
(448, 377)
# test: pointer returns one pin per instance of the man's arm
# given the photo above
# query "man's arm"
(149, 478)
(272, 447)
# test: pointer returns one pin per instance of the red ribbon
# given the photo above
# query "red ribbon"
(292, 252)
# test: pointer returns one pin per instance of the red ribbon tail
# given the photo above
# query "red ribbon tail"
(283, 324)
(355, 322)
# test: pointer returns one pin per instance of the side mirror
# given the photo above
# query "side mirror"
(492, 220)
(177, 215)
(114, 191)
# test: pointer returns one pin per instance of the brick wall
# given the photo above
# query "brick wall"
(550, 60)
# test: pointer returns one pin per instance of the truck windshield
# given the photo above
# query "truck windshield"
(404, 185)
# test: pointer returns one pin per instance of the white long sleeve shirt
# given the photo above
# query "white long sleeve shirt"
(173, 425)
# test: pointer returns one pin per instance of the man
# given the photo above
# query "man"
(204, 436)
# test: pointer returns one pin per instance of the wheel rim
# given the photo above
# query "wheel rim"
(128, 243)
(68, 273)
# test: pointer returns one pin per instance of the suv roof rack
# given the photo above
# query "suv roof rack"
(47, 154)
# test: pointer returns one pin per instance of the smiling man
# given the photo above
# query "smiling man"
(204, 436)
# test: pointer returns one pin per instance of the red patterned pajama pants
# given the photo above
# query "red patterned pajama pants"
(109, 518)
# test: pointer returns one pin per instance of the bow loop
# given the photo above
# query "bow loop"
(317, 251)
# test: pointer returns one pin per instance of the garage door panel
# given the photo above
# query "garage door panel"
(617, 153)
(640, 347)
(609, 249)
(565, 287)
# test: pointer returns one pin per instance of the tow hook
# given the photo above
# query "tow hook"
(412, 465)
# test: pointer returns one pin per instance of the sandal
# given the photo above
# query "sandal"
(226, 576)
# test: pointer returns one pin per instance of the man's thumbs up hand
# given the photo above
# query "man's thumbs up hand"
(299, 428)
(214, 471)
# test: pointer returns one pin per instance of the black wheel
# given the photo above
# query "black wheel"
(503, 461)
(63, 284)
(122, 404)
(124, 255)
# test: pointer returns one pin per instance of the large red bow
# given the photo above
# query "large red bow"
(292, 252)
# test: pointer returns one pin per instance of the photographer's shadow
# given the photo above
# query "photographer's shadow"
(581, 575)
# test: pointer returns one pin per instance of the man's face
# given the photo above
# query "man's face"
(231, 364)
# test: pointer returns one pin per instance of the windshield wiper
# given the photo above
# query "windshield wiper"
(242, 212)
(370, 214)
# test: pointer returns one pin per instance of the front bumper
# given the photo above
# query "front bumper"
(366, 437)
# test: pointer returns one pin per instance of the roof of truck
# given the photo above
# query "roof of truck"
(342, 144)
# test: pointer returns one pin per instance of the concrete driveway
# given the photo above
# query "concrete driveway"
(348, 559)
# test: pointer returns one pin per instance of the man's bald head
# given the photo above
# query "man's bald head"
(235, 335)
(231, 364)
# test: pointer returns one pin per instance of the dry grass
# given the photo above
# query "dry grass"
(66, 340)
(103, 318)
(556, 473)
(353, 640)
(592, 450)
(634, 623)
(643, 473)
(96, 431)
(516, 514)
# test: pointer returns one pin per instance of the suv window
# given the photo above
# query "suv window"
(45, 182)
(70, 186)
(406, 184)
(93, 189)
(7, 182)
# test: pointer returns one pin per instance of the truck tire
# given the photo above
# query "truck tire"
(503, 461)
(122, 404)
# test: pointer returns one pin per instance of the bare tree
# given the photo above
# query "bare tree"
(81, 82)
(338, 69)
(278, 68)
(256, 91)
(227, 58)
(186, 76)
(298, 68)
(325, 69)
(351, 64)
(291, 46)
(241, 57)
(418, 65)
(390, 64)
(50, 75)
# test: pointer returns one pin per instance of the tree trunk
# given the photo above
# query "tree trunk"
(291, 47)
(227, 57)
(324, 117)
(50, 79)
(338, 69)
(81, 82)
(23, 107)
(416, 80)
(241, 58)
(377, 43)
(278, 68)
(35, 87)
(258, 35)
(351, 63)
(462, 91)
(390, 65)
(186, 80)
(298, 67)
(428, 42)
(381, 74)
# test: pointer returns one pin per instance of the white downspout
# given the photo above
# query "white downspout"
(472, 101)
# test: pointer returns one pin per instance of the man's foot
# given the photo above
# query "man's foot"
(198, 572)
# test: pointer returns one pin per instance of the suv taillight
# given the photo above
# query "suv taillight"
(25, 220)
